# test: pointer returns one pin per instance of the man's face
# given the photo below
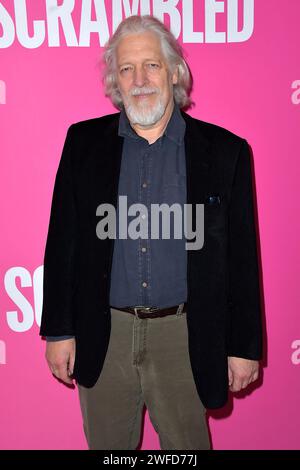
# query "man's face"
(143, 79)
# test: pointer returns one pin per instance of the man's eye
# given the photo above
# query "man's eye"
(153, 66)
(125, 69)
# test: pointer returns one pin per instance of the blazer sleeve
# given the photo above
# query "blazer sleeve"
(245, 324)
(59, 259)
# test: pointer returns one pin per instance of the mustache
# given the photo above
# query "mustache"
(143, 91)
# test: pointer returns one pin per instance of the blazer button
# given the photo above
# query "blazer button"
(105, 275)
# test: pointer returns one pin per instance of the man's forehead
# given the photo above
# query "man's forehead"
(147, 43)
(147, 51)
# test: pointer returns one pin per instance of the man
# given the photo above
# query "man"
(151, 321)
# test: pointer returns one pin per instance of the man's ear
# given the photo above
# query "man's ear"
(175, 76)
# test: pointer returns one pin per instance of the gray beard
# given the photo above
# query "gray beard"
(144, 115)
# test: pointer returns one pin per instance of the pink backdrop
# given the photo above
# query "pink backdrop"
(248, 83)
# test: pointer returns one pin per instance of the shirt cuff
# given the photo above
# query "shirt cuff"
(58, 338)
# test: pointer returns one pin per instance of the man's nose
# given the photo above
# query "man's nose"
(140, 76)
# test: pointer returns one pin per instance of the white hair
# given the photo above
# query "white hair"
(171, 50)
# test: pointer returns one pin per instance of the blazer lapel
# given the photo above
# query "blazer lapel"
(198, 161)
(198, 154)
(108, 155)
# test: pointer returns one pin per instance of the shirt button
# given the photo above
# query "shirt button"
(144, 185)
(144, 249)
(144, 216)
(144, 284)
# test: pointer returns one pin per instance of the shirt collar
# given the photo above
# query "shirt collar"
(175, 129)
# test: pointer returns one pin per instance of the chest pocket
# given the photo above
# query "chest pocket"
(215, 214)
(174, 190)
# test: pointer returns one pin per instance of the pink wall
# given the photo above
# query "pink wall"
(250, 87)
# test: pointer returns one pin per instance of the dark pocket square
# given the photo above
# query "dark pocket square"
(213, 199)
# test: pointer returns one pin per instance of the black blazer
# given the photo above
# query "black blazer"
(223, 304)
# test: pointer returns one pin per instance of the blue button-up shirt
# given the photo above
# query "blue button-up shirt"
(151, 272)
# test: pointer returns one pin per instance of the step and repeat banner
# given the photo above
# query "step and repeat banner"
(244, 57)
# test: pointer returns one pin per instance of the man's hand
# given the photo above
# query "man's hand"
(241, 372)
(60, 356)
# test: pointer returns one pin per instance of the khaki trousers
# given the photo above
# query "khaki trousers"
(147, 363)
